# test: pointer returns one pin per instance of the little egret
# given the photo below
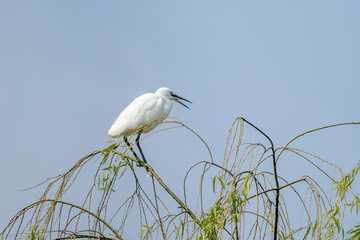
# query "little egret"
(149, 107)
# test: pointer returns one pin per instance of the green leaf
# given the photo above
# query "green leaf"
(307, 232)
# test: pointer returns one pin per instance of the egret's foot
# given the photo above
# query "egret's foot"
(143, 164)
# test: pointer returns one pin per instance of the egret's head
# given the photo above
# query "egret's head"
(170, 95)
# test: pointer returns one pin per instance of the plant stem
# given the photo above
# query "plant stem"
(277, 189)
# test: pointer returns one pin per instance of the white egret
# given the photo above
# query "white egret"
(149, 107)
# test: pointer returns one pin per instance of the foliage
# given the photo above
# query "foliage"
(33, 234)
(245, 200)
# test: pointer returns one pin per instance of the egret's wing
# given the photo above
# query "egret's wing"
(143, 109)
(139, 112)
(155, 111)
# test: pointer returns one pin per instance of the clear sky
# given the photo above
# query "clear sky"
(68, 68)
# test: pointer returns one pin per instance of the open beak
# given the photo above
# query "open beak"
(176, 99)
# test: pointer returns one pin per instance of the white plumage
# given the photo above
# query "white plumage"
(145, 108)
(149, 107)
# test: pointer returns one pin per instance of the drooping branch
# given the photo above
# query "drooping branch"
(277, 189)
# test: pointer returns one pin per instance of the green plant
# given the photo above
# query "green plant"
(241, 198)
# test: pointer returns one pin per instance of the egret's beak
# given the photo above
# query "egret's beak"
(176, 99)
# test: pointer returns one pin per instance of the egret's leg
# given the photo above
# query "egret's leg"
(132, 150)
(138, 144)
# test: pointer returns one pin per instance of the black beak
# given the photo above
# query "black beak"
(176, 99)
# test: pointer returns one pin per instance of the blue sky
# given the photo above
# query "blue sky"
(68, 68)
